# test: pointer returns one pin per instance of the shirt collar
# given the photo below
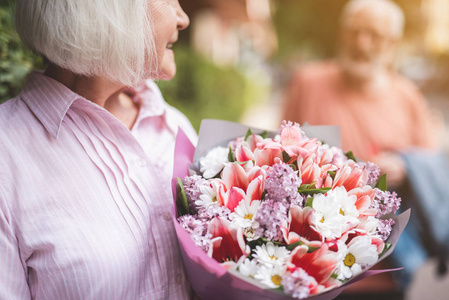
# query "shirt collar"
(152, 103)
(48, 99)
(149, 97)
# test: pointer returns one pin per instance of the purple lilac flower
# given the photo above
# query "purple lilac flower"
(207, 213)
(384, 228)
(271, 215)
(197, 230)
(385, 202)
(192, 224)
(373, 172)
(297, 283)
(192, 188)
(282, 183)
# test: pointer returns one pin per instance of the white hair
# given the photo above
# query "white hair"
(91, 37)
(386, 6)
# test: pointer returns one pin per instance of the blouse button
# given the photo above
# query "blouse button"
(178, 278)
(141, 163)
(166, 216)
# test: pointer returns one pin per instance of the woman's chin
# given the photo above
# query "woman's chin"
(166, 73)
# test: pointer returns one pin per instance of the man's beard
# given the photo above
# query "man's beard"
(362, 71)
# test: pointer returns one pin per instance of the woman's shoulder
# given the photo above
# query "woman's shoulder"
(12, 113)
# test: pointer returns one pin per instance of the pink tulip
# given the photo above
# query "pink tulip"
(268, 153)
(300, 226)
(238, 185)
(255, 189)
(291, 135)
(253, 140)
(380, 244)
(243, 153)
(234, 175)
(309, 170)
(365, 196)
(351, 176)
(232, 197)
(319, 264)
(227, 242)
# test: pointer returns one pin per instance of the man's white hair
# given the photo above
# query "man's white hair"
(386, 6)
(91, 37)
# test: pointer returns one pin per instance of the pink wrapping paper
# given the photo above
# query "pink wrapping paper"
(207, 277)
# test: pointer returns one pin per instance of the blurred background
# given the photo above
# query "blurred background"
(237, 56)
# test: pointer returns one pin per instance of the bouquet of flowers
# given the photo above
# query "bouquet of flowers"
(278, 216)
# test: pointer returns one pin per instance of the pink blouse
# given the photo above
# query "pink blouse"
(85, 203)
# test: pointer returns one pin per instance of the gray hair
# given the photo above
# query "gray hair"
(388, 7)
(91, 37)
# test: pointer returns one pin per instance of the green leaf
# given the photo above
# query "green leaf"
(350, 155)
(312, 249)
(182, 205)
(285, 157)
(264, 134)
(314, 191)
(332, 174)
(231, 156)
(264, 240)
(248, 134)
(382, 183)
(294, 167)
(291, 247)
(309, 202)
(308, 186)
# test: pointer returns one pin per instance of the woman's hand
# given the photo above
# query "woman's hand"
(392, 164)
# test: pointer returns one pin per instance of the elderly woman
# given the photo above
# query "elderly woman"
(86, 155)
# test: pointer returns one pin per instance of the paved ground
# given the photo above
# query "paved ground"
(427, 285)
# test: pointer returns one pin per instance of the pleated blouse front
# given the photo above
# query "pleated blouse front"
(85, 203)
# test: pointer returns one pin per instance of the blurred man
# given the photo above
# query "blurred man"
(379, 112)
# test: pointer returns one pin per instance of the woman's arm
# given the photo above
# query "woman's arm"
(13, 279)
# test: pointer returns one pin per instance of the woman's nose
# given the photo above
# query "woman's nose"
(183, 19)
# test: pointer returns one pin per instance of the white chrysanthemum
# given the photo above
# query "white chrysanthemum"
(369, 224)
(358, 255)
(348, 207)
(270, 276)
(214, 161)
(328, 219)
(271, 254)
(245, 212)
(208, 195)
(249, 268)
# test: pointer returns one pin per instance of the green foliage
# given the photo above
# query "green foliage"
(382, 183)
(350, 155)
(15, 61)
(307, 27)
(182, 204)
(248, 134)
(202, 89)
